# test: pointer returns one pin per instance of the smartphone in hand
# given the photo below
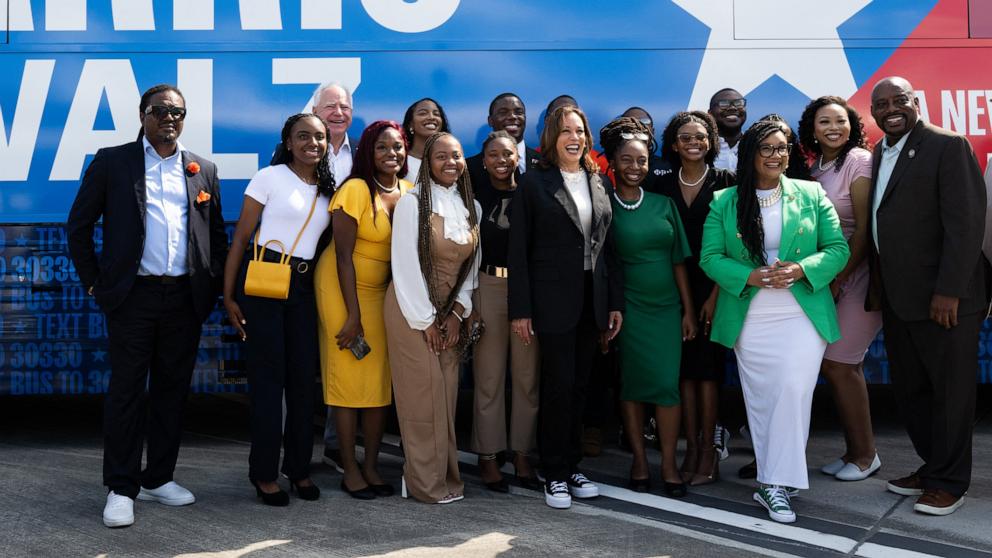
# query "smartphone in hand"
(360, 348)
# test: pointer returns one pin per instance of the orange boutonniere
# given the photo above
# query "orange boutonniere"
(192, 169)
(203, 196)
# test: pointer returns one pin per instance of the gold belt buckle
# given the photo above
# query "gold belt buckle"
(501, 273)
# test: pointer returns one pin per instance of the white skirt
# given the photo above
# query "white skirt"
(778, 354)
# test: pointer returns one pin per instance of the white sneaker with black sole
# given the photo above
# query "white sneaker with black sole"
(581, 487)
(556, 495)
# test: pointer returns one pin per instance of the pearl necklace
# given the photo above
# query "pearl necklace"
(385, 190)
(696, 183)
(772, 199)
(630, 206)
(819, 163)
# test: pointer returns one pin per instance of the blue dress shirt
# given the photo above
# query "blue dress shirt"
(166, 214)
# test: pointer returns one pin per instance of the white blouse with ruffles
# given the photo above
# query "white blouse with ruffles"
(408, 281)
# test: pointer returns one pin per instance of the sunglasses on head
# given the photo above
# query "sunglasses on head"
(627, 136)
(161, 111)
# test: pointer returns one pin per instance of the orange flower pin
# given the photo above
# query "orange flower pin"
(203, 197)
(193, 168)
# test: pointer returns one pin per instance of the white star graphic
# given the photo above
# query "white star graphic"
(753, 40)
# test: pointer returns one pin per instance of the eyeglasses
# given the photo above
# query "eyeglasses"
(160, 112)
(634, 136)
(736, 103)
(686, 138)
(767, 151)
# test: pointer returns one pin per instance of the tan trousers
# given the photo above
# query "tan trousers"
(425, 388)
(489, 367)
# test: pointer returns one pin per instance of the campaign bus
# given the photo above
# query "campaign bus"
(73, 72)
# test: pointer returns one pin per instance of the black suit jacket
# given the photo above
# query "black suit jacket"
(113, 187)
(546, 256)
(476, 172)
(931, 222)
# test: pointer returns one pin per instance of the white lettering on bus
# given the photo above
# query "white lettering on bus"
(962, 111)
(17, 149)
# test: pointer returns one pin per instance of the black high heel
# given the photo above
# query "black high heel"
(277, 499)
(674, 489)
(381, 490)
(365, 493)
(639, 485)
(309, 493)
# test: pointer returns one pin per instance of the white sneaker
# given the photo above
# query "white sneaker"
(581, 487)
(775, 499)
(170, 494)
(556, 495)
(721, 437)
(851, 471)
(119, 511)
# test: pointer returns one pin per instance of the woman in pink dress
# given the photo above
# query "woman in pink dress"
(832, 130)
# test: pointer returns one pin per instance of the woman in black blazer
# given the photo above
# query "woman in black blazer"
(565, 286)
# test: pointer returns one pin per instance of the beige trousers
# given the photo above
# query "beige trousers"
(489, 367)
(425, 388)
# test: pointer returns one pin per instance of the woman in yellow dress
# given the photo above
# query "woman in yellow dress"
(351, 282)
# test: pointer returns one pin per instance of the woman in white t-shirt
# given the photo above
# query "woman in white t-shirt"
(280, 336)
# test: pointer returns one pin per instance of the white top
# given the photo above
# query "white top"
(408, 280)
(727, 158)
(413, 166)
(341, 161)
(287, 201)
(577, 185)
(166, 214)
(889, 157)
(771, 224)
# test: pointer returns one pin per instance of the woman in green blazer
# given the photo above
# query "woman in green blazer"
(773, 245)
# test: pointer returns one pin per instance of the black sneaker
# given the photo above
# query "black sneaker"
(332, 457)
(581, 487)
(556, 495)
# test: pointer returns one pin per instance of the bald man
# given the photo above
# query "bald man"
(928, 275)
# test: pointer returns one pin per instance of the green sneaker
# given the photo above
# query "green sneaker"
(775, 499)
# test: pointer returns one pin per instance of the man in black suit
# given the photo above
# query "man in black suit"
(157, 280)
(927, 224)
(506, 112)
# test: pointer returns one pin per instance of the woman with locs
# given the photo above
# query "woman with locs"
(435, 262)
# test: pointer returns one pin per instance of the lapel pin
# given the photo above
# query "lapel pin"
(912, 153)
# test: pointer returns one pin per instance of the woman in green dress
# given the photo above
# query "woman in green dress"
(660, 316)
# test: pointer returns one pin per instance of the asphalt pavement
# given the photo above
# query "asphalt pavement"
(51, 500)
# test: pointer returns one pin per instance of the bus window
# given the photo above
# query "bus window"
(980, 19)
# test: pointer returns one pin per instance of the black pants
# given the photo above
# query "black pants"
(155, 329)
(934, 372)
(281, 357)
(566, 361)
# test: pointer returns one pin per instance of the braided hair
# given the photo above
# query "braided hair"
(671, 135)
(749, 223)
(325, 176)
(797, 168)
(425, 247)
(807, 128)
(611, 135)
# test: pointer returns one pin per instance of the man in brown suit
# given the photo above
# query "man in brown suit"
(927, 224)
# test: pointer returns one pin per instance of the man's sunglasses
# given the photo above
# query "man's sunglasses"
(736, 103)
(161, 111)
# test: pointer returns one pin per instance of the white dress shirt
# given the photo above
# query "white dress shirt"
(727, 158)
(166, 214)
(889, 157)
(522, 156)
(413, 168)
(408, 280)
(340, 161)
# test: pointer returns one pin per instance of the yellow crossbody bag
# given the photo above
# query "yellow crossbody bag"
(271, 279)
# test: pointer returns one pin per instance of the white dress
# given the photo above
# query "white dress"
(778, 354)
